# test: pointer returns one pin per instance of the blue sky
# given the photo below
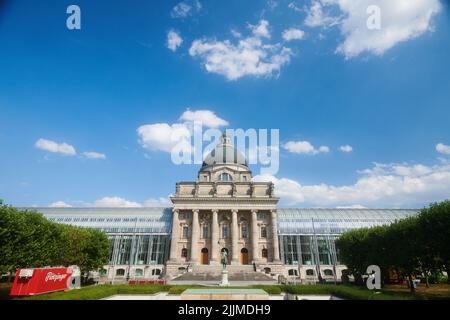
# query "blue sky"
(329, 82)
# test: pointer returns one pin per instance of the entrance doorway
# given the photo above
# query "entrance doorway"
(244, 256)
(204, 258)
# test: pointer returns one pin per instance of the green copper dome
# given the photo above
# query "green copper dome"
(225, 153)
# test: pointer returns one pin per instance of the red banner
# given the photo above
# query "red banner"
(30, 282)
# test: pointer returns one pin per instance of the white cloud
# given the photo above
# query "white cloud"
(383, 185)
(55, 147)
(207, 117)
(94, 155)
(157, 202)
(118, 202)
(249, 57)
(316, 17)
(261, 30)
(293, 34)
(304, 147)
(290, 191)
(173, 40)
(164, 136)
(353, 206)
(59, 204)
(442, 148)
(115, 202)
(186, 8)
(401, 20)
(235, 33)
(294, 7)
(346, 148)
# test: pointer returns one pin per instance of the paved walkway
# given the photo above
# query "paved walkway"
(215, 283)
(238, 276)
(167, 296)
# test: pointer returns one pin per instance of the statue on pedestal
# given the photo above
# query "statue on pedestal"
(224, 281)
(224, 259)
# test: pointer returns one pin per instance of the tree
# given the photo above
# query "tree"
(418, 244)
(29, 240)
(434, 228)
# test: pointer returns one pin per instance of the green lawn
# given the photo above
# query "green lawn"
(342, 291)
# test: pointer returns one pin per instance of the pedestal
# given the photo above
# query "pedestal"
(224, 278)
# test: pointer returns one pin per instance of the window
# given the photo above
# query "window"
(262, 215)
(120, 272)
(225, 177)
(185, 232)
(205, 232)
(139, 273)
(263, 232)
(184, 253)
(292, 272)
(244, 178)
(103, 272)
(244, 231)
(309, 272)
(328, 272)
(267, 270)
(156, 272)
(264, 253)
(224, 231)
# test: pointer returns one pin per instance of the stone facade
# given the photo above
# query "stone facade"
(224, 210)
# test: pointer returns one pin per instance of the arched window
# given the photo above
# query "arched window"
(225, 177)
(267, 270)
(120, 272)
(264, 253)
(328, 272)
(139, 272)
(309, 272)
(184, 253)
(292, 272)
(103, 272)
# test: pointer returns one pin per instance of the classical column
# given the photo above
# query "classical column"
(214, 236)
(175, 236)
(255, 236)
(234, 237)
(276, 249)
(195, 236)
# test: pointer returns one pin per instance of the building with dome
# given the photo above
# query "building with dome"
(224, 210)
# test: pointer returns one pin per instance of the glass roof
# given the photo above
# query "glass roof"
(114, 220)
(335, 221)
(291, 221)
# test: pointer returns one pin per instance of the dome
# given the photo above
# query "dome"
(225, 153)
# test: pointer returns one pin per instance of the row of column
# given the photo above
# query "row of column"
(195, 236)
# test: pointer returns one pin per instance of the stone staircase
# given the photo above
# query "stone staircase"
(214, 273)
(217, 270)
